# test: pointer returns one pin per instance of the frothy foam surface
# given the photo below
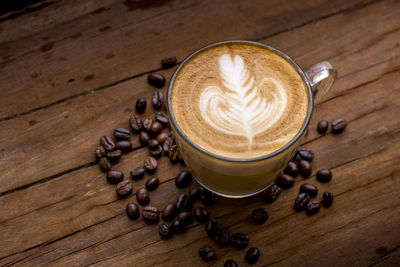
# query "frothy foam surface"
(239, 100)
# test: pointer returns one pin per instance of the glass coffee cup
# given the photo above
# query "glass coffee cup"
(241, 177)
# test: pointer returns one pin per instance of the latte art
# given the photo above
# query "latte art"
(237, 108)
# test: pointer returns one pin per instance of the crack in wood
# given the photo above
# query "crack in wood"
(385, 256)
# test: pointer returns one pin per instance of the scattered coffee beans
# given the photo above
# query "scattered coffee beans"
(259, 215)
(114, 156)
(156, 80)
(124, 146)
(285, 181)
(183, 179)
(184, 203)
(324, 176)
(301, 201)
(222, 237)
(168, 62)
(305, 168)
(147, 123)
(195, 193)
(100, 152)
(305, 154)
(207, 253)
(165, 230)
(178, 226)
(212, 227)
(162, 117)
(132, 210)
(230, 263)
(156, 128)
(338, 125)
(107, 143)
(313, 207)
(200, 214)
(142, 196)
(240, 240)
(169, 212)
(105, 164)
(207, 197)
(150, 164)
(310, 189)
(136, 123)
(291, 169)
(327, 199)
(273, 193)
(123, 188)
(150, 214)
(152, 183)
(141, 105)
(322, 126)
(162, 137)
(186, 217)
(252, 255)
(157, 100)
(114, 176)
(144, 138)
(138, 172)
(121, 134)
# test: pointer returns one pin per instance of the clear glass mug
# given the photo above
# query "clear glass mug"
(237, 178)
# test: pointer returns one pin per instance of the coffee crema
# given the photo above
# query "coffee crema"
(239, 100)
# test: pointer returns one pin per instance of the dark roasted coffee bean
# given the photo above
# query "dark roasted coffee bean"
(142, 196)
(162, 137)
(124, 146)
(285, 181)
(305, 154)
(259, 215)
(153, 144)
(327, 199)
(178, 226)
(183, 179)
(141, 105)
(310, 189)
(147, 124)
(152, 183)
(186, 217)
(144, 138)
(168, 62)
(322, 126)
(240, 240)
(207, 253)
(305, 168)
(156, 152)
(132, 210)
(138, 172)
(121, 134)
(230, 263)
(174, 154)
(114, 176)
(167, 145)
(338, 125)
(169, 212)
(150, 214)
(100, 152)
(252, 255)
(184, 203)
(212, 227)
(105, 164)
(114, 156)
(107, 143)
(207, 197)
(123, 188)
(150, 164)
(162, 117)
(291, 169)
(301, 201)
(157, 100)
(313, 207)
(222, 238)
(165, 230)
(200, 214)
(273, 193)
(156, 128)
(136, 123)
(156, 79)
(324, 176)
(195, 193)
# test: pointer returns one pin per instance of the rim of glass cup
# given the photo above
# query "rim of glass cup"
(259, 158)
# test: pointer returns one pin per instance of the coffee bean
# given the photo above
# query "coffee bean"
(153, 143)
(156, 79)
(165, 230)
(144, 138)
(185, 217)
(114, 156)
(322, 126)
(132, 210)
(273, 193)
(169, 212)
(162, 117)
(147, 124)
(200, 214)
(222, 237)
(157, 100)
(150, 164)
(105, 164)
(327, 199)
(138, 172)
(150, 214)
(252, 255)
(313, 207)
(124, 146)
(305, 168)
(305, 154)
(114, 176)
(259, 215)
(107, 143)
(136, 123)
(207, 253)
(240, 240)
(121, 134)
(338, 126)
(152, 183)
(100, 152)
(301, 201)
(207, 197)
(310, 189)
(184, 203)
(168, 62)
(183, 179)
(291, 169)
(178, 226)
(162, 137)
(167, 145)
(285, 181)
(174, 154)
(142, 196)
(156, 128)
(123, 188)
(230, 263)
(212, 228)
(324, 176)
(156, 152)
(195, 193)
(141, 105)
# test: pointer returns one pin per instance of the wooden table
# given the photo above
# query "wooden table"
(72, 70)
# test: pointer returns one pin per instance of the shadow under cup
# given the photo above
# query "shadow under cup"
(233, 177)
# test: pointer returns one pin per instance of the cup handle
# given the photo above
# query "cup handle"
(321, 77)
